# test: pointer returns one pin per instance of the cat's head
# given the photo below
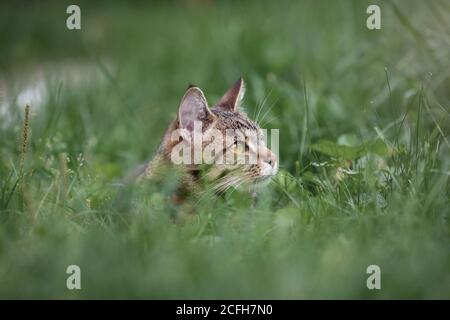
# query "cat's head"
(231, 144)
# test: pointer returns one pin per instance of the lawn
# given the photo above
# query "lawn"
(363, 118)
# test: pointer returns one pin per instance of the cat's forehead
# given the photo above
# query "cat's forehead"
(233, 120)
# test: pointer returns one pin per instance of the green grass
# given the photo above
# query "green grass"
(364, 149)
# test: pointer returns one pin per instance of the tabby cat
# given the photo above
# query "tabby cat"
(224, 117)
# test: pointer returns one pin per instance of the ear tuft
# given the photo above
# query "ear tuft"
(233, 97)
(193, 107)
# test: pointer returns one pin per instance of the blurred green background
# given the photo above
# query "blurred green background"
(364, 149)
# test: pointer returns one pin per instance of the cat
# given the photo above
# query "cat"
(224, 117)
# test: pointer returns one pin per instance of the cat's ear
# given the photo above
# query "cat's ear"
(193, 107)
(232, 98)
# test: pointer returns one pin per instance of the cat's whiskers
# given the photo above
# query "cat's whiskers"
(242, 181)
(222, 186)
(267, 112)
(269, 120)
(208, 192)
(258, 107)
(226, 183)
(262, 106)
